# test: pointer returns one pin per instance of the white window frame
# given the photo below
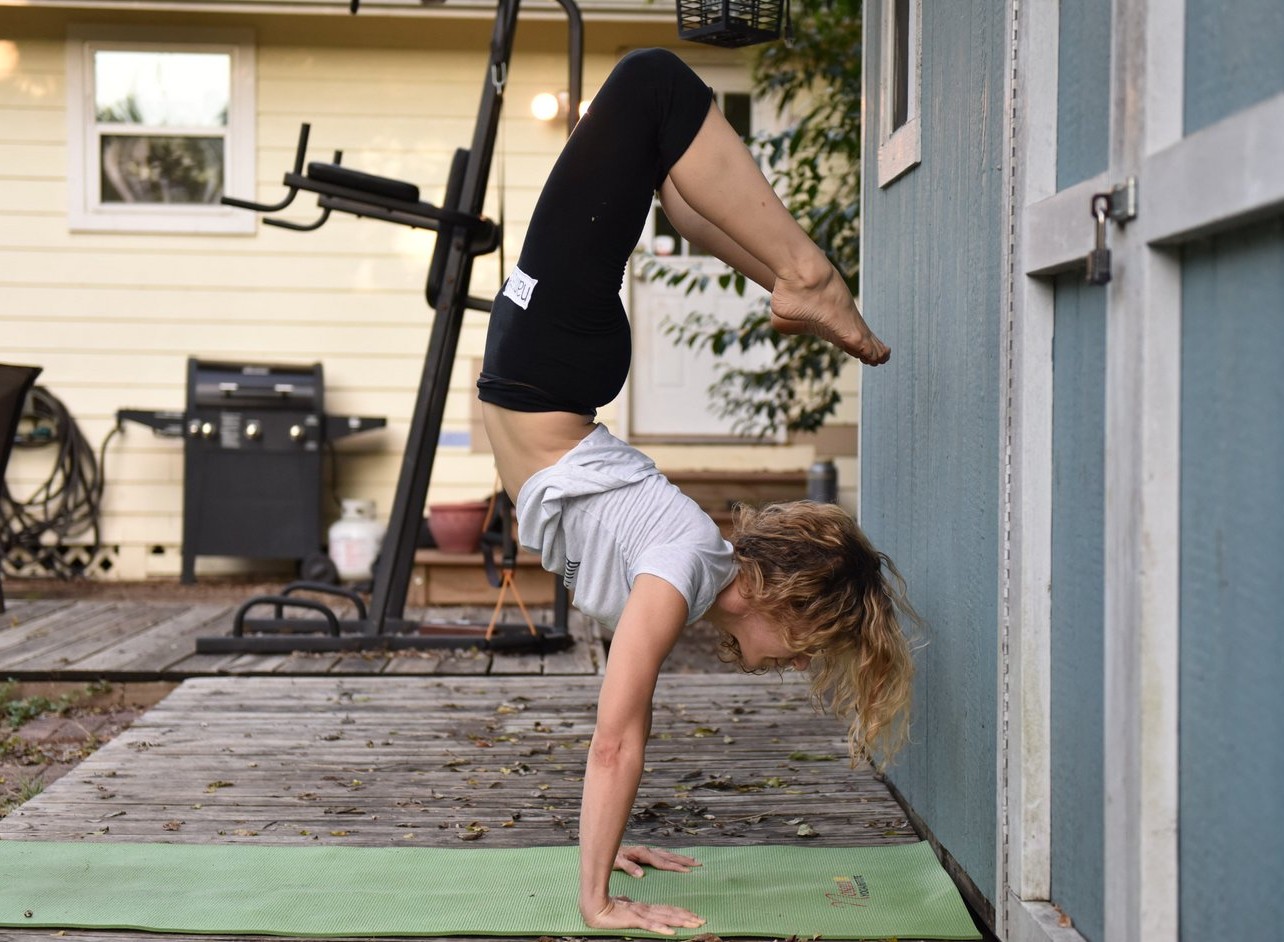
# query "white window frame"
(900, 150)
(86, 212)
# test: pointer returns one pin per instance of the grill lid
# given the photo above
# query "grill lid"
(216, 384)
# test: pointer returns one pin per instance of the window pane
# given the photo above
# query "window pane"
(900, 62)
(139, 169)
(162, 89)
(738, 110)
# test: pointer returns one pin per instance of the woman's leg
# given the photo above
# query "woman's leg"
(719, 179)
(701, 232)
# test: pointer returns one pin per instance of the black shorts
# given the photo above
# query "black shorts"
(558, 339)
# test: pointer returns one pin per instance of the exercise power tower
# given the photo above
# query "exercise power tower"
(463, 234)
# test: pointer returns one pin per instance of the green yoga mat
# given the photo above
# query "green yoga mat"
(774, 891)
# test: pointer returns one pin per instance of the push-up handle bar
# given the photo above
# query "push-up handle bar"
(365, 194)
(289, 196)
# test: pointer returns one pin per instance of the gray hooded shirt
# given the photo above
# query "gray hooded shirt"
(604, 514)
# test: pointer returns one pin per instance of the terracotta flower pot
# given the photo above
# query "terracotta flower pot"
(457, 528)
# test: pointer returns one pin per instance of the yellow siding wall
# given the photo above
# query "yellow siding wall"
(112, 318)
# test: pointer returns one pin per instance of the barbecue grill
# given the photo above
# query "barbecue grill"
(253, 441)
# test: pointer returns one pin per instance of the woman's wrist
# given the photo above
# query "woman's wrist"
(593, 905)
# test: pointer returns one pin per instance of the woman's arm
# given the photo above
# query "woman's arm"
(700, 231)
(647, 631)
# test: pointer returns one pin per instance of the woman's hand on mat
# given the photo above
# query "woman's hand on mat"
(620, 912)
(632, 859)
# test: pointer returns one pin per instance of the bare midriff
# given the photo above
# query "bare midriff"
(526, 442)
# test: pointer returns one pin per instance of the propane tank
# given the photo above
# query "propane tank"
(355, 539)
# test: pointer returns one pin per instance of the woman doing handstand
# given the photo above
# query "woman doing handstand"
(798, 585)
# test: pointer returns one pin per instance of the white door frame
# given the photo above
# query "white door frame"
(1181, 196)
(1052, 233)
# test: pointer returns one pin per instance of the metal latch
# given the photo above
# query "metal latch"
(1118, 206)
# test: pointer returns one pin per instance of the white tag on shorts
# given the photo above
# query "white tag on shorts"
(520, 287)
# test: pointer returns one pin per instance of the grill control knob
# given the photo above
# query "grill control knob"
(207, 429)
(253, 431)
(194, 427)
(296, 433)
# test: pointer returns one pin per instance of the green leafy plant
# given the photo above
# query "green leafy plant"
(26, 790)
(18, 710)
(815, 165)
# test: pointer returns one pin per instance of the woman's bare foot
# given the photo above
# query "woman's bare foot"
(823, 307)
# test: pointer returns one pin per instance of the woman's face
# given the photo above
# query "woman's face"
(762, 645)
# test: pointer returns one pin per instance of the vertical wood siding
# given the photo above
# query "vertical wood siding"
(930, 441)
(1232, 61)
(1078, 572)
(112, 318)
(1232, 536)
(1083, 90)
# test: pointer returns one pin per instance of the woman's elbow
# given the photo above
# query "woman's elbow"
(611, 751)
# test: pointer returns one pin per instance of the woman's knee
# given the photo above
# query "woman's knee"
(660, 92)
(653, 65)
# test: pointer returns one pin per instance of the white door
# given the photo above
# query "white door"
(669, 396)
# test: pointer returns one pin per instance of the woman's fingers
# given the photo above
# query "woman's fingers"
(623, 913)
(632, 859)
(667, 860)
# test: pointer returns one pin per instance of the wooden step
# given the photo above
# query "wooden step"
(718, 492)
(440, 578)
(722, 490)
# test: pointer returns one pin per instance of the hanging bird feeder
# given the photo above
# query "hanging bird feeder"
(730, 23)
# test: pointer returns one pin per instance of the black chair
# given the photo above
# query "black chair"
(15, 383)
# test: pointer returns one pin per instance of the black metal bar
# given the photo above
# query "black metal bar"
(279, 602)
(396, 561)
(575, 63)
(509, 637)
(441, 247)
(324, 588)
(423, 213)
(304, 130)
(561, 605)
(301, 226)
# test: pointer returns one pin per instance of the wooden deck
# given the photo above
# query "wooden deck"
(89, 639)
(436, 761)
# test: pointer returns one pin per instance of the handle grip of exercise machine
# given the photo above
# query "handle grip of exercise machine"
(325, 210)
(304, 130)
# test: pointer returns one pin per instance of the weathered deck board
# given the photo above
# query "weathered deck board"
(156, 640)
(160, 647)
(48, 629)
(66, 645)
(29, 610)
(375, 760)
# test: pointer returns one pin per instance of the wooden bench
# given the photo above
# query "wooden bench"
(718, 492)
(460, 579)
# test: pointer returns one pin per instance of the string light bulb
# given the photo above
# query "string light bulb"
(547, 106)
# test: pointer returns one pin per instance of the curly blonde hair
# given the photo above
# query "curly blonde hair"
(839, 601)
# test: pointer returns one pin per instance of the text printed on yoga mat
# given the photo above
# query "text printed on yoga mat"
(852, 891)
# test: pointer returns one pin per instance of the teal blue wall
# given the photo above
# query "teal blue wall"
(930, 436)
(1078, 572)
(1083, 90)
(1232, 587)
(1232, 61)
